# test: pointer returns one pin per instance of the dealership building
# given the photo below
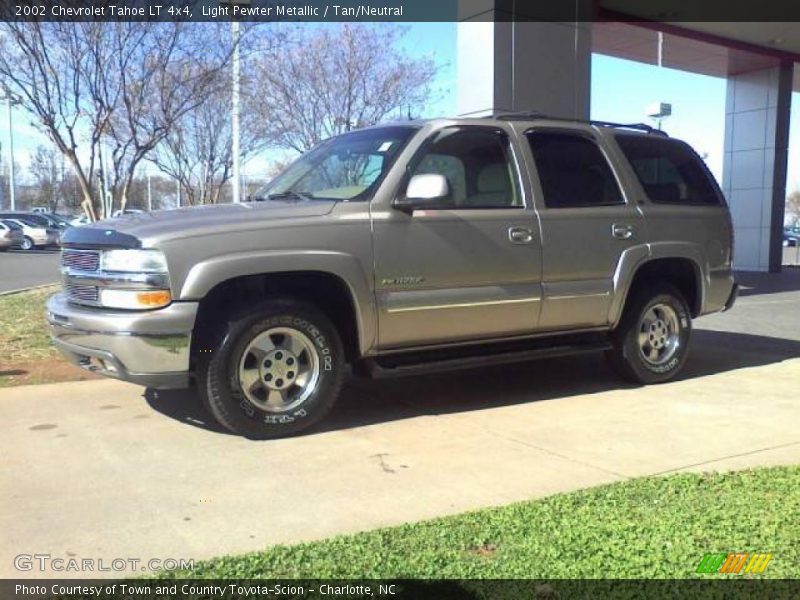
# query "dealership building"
(502, 63)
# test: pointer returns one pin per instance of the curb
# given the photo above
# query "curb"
(28, 289)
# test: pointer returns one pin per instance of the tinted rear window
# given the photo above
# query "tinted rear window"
(669, 170)
(573, 171)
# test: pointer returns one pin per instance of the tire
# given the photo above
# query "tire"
(27, 244)
(662, 318)
(258, 351)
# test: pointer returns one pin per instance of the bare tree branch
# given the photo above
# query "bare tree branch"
(325, 81)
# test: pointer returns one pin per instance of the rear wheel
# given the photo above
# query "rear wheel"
(27, 243)
(651, 343)
(277, 371)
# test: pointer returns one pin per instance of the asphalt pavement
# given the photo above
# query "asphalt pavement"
(20, 269)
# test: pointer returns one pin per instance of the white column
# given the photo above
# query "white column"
(757, 113)
(523, 66)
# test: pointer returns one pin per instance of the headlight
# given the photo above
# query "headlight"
(133, 261)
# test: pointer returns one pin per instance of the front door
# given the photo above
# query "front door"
(471, 268)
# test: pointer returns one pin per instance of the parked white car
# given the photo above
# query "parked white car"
(36, 237)
(127, 211)
(80, 220)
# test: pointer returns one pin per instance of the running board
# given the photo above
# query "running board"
(382, 368)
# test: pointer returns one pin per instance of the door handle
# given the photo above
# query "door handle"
(622, 231)
(520, 235)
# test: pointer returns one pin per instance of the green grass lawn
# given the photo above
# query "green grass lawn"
(23, 327)
(646, 528)
(26, 354)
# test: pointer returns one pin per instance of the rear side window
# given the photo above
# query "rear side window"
(669, 170)
(573, 171)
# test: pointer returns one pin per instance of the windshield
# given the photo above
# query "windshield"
(347, 167)
(12, 225)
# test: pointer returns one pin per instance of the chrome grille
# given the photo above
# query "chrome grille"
(82, 293)
(80, 260)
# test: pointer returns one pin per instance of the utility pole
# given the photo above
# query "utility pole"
(236, 150)
(235, 139)
(149, 193)
(12, 187)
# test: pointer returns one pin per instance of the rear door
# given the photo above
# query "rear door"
(587, 223)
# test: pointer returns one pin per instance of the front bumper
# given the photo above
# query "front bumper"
(148, 348)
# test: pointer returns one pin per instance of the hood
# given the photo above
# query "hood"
(128, 231)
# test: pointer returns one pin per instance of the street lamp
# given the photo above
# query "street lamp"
(11, 186)
(659, 111)
(235, 88)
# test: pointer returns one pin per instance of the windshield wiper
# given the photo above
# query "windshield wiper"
(288, 195)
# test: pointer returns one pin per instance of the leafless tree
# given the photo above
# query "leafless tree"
(198, 149)
(793, 205)
(107, 93)
(48, 170)
(327, 80)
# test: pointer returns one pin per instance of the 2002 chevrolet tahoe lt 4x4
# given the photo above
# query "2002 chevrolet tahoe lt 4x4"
(401, 249)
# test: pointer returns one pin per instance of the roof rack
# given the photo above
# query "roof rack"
(529, 115)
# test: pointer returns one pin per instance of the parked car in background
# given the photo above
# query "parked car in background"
(11, 236)
(35, 219)
(791, 237)
(36, 236)
(55, 222)
(79, 220)
(127, 211)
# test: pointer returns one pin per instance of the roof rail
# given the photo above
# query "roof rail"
(530, 115)
(638, 126)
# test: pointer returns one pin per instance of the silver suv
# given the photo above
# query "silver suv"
(403, 249)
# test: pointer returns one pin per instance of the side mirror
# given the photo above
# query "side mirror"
(424, 191)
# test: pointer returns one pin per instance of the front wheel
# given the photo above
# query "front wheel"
(651, 343)
(277, 371)
(27, 243)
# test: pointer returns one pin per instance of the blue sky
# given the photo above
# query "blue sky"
(620, 92)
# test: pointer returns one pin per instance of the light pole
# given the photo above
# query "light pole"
(235, 141)
(11, 186)
(235, 134)
(658, 112)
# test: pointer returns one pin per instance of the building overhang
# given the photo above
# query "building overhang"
(623, 30)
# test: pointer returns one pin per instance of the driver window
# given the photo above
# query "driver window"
(477, 164)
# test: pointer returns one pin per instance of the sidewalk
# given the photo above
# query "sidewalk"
(102, 469)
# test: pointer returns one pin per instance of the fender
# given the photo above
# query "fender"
(207, 274)
(633, 258)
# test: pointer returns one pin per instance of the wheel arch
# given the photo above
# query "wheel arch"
(681, 270)
(325, 290)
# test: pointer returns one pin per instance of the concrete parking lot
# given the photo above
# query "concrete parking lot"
(21, 269)
(104, 469)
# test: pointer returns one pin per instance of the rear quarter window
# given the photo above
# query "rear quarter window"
(669, 171)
